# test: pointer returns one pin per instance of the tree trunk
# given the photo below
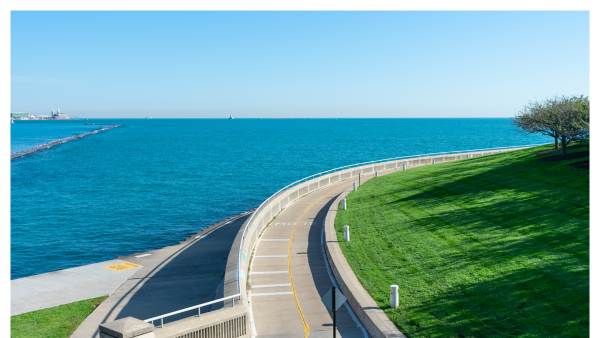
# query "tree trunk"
(563, 144)
(555, 143)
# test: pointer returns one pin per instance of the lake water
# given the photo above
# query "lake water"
(151, 183)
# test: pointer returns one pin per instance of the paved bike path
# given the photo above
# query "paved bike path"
(284, 306)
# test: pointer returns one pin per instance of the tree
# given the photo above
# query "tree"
(530, 121)
(564, 118)
(568, 117)
(582, 121)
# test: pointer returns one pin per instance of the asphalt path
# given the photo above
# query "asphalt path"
(170, 279)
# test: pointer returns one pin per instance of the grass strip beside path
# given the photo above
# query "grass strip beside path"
(493, 246)
(55, 322)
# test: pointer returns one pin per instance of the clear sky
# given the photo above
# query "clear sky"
(295, 64)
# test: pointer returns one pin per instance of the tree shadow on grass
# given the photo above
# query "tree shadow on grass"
(523, 303)
(529, 233)
(542, 229)
(512, 203)
(498, 285)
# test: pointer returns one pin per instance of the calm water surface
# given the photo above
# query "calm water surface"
(152, 183)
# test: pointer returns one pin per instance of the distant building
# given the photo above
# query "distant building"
(58, 115)
(54, 116)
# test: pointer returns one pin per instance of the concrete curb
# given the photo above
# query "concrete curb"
(375, 321)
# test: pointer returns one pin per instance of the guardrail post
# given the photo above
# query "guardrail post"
(344, 204)
(393, 296)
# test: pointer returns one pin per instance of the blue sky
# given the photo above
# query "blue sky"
(295, 64)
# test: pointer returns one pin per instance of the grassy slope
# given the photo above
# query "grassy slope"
(54, 322)
(491, 246)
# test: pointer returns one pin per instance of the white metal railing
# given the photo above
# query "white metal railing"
(266, 202)
(260, 207)
(161, 317)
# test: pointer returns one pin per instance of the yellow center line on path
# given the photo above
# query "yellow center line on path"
(306, 327)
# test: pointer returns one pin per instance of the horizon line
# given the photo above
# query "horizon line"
(278, 118)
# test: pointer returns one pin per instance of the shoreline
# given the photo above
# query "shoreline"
(190, 237)
(50, 289)
(53, 143)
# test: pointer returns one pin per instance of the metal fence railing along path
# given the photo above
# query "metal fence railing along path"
(291, 185)
(162, 317)
(283, 190)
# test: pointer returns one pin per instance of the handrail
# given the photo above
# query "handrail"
(391, 159)
(257, 210)
(251, 218)
(188, 309)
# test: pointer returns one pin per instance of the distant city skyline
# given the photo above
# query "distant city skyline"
(388, 64)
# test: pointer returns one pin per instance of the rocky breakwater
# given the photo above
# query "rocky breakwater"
(55, 142)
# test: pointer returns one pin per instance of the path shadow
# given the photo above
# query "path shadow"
(189, 277)
(319, 270)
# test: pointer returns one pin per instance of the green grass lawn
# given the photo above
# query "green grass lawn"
(54, 322)
(494, 246)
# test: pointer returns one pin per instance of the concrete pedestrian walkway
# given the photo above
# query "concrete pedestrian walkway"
(170, 279)
(66, 286)
(288, 274)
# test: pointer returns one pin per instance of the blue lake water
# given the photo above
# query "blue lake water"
(152, 183)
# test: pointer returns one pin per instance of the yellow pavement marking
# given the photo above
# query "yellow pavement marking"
(123, 266)
(304, 323)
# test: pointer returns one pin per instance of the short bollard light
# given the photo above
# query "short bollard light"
(403, 166)
(433, 161)
(377, 174)
(346, 233)
(393, 296)
(354, 186)
(344, 204)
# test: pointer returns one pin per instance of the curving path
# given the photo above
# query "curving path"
(289, 275)
(171, 278)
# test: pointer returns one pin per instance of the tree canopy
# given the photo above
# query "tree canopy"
(565, 118)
